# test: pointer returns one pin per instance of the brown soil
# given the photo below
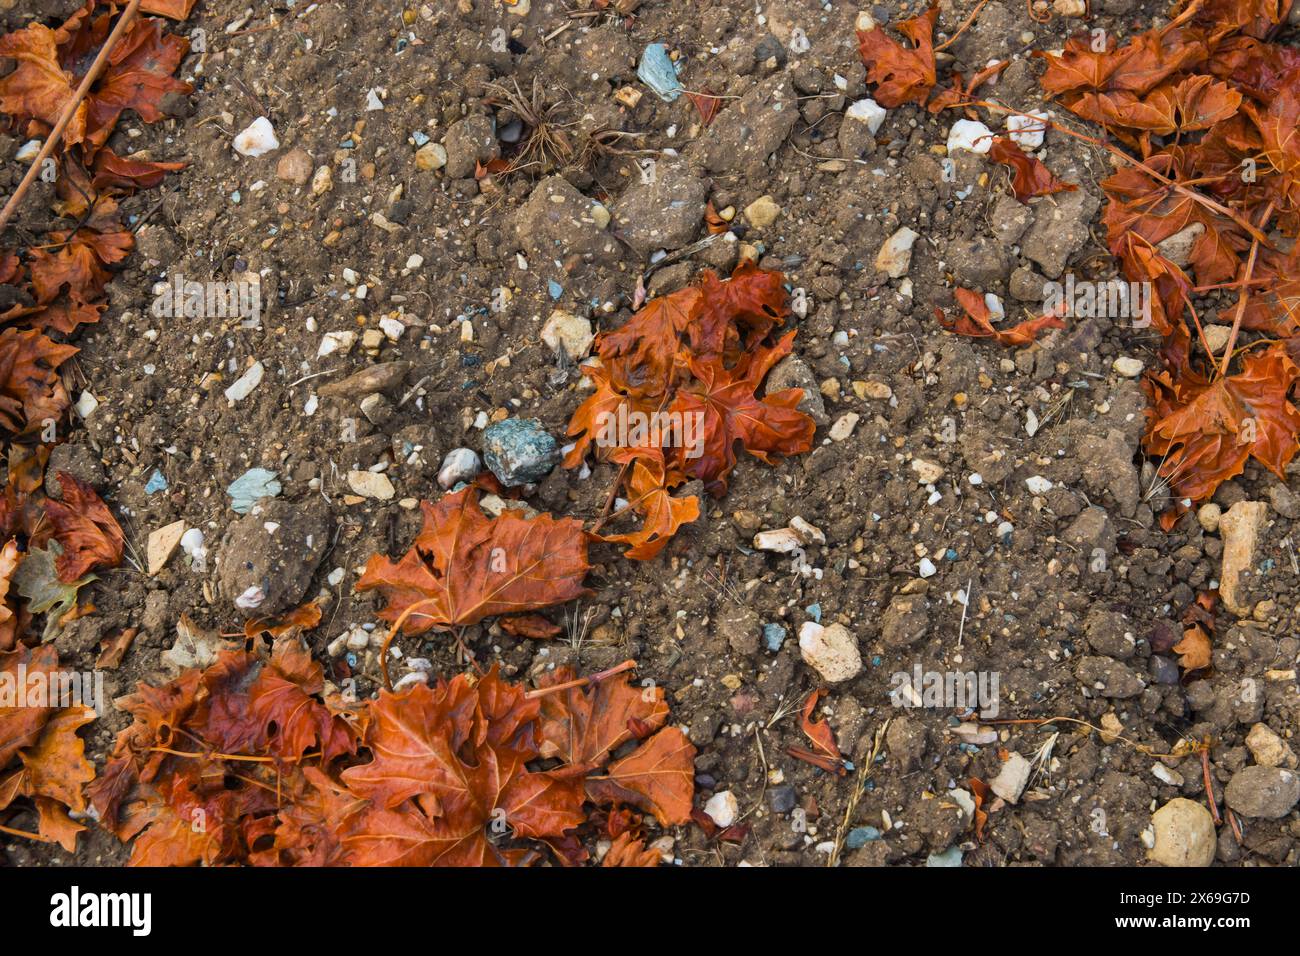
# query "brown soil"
(1044, 614)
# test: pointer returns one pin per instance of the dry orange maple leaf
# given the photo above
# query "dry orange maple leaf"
(1030, 177)
(441, 775)
(138, 77)
(115, 172)
(696, 358)
(283, 700)
(1204, 432)
(54, 772)
(657, 777)
(713, 318)
(826, 753)
(175, 9)
(901, 75)
(39, 88)
(731, 412)
(31, 391)
(583, 725)
(77, 262)
(531, 625)
(83, 525)
(168, 816)
(1195, 652)
(628, 850)
(9, 561)
(1137, 67)
(1142, 206)
(448, 763)
(649, 487)
(976, 321)
(44, 737)
(465, 566)
(20, 726)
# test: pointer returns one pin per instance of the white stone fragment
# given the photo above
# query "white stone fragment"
(1128, 367)
(371, 484)
(970, 135)
(831, 651)
(243, 386)
(844, 426)
(1038, 485)
(722, 808)
(1027, 131)
(564, 330)
(461, 464)
(1012, 779)
(895, 255)
(867, 111)
(332, 342)
(258, 139)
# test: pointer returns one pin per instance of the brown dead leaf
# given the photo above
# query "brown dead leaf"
(1195, 652)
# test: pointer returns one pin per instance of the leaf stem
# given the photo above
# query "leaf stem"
(393, 632)
(25, 835)
(195, 754)
(1245, 295)
(605, 516)
(962, 29)
(581, 681)
(1209, 784)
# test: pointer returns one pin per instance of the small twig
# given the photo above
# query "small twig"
(1039, 721)
(557, 31)
(864, 774)
(609, 499)
(1200, 327)
(393, 632)
(962, 29)
(307, 378)
(194, 755)
(251, 30)
(965, 606)
(412, 390)
(1118, 153)
(1209, 784)
(1236, 826)
(56, 135)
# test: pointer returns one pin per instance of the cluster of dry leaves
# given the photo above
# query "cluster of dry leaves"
(256, 758)
(908, 74)
(49, 287)
(702, 352)
(1199, 117)
(1207, 108)
(252, 761)
(696, 358)
(39, 740)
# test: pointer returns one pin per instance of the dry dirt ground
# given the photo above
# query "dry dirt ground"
(1068, 588)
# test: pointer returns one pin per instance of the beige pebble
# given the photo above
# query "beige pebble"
(1184, 834)
(162, 545)
(762, 212)
(1240, 529)
(844, 426)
